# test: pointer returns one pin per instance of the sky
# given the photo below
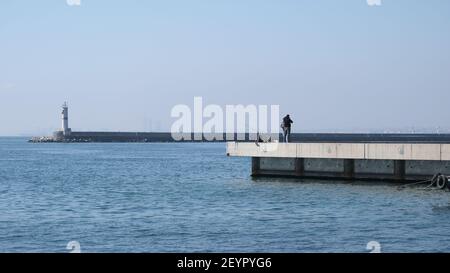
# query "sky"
(123, 65)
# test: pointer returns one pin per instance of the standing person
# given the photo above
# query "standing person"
(286, 125)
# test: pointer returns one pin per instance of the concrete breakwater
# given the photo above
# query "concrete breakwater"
(303, 138)
(81, 137)
(373, 161)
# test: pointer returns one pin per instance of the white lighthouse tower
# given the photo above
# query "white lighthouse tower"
(65, 119)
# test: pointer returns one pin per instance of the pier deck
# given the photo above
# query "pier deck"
(372, 160)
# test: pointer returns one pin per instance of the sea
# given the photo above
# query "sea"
(191, 197)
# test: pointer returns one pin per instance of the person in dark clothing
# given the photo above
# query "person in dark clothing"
(286, 125)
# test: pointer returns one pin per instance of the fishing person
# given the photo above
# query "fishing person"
(286, 126)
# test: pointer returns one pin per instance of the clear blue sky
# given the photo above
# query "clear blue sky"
(122, 65)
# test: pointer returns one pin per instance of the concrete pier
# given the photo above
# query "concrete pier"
(374, 161)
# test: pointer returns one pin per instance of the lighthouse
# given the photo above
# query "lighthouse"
(65, 119)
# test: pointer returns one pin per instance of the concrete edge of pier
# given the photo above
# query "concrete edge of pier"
(374, 161)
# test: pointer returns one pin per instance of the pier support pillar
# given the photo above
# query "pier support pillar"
(299, 166)
(349, 168)
(256, 165)
(399, 169)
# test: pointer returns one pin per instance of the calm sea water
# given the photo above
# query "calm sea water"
(192, 198)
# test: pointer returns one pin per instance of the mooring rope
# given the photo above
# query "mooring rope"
(432, 181)
(416, 183)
